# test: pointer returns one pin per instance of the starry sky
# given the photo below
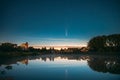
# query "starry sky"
(57, 22)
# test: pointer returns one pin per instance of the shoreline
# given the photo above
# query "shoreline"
(17, 54)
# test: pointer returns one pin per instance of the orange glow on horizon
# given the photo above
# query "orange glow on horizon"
(59, 47)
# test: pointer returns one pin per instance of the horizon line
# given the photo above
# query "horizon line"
(58, 46)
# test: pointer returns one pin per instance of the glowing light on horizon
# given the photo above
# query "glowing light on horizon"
(59, 47)
(57, 43)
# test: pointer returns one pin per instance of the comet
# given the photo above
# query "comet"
(66, 32)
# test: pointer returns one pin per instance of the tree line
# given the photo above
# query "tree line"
(110, 43)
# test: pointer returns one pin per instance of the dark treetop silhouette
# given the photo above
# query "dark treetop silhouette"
(110, 43)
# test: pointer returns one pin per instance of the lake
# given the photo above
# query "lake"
(61, 67)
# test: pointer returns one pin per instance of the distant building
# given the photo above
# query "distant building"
(84, 49)
(24, 46)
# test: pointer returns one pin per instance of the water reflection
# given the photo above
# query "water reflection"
(104, 64)
(98, 63)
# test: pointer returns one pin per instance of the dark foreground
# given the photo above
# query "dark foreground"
(60, 67)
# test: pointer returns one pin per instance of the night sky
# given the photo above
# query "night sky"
(57, 22)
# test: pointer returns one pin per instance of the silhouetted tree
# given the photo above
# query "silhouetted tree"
(113, 42)
(8, 47)
(43, 49)
(97, 43)
(31, 49)
(105, 43)
(20, 49)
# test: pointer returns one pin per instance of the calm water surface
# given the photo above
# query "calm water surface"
(61, 67)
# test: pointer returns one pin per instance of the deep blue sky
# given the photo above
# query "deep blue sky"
(49, 22)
